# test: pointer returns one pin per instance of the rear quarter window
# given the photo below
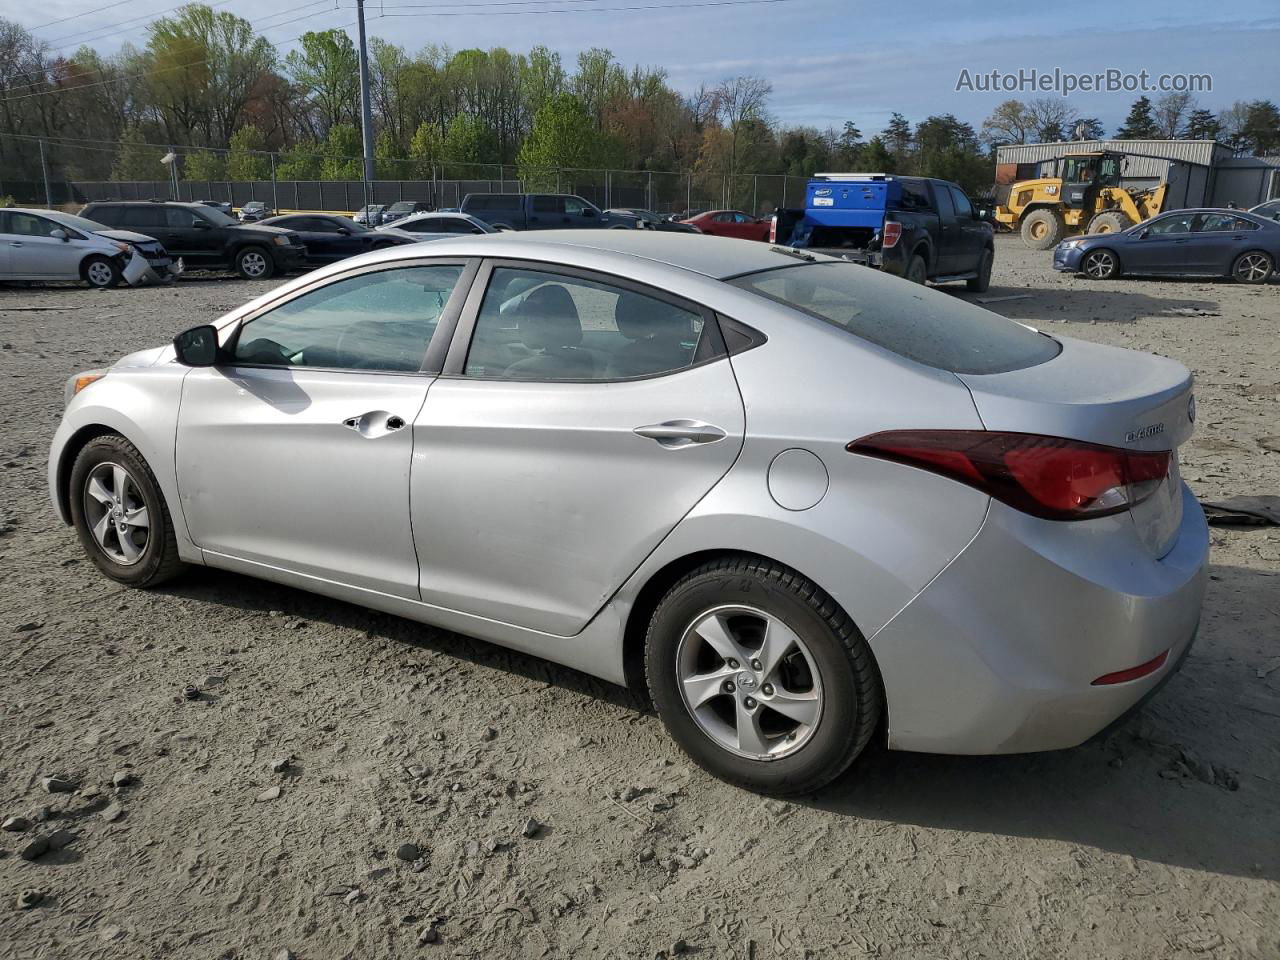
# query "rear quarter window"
(914, 322)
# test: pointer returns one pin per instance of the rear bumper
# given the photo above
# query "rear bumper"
(999, 653)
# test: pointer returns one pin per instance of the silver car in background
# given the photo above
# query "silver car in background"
(801, 501)
(50, 245)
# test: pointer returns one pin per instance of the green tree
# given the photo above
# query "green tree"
(876, 157)
(390, 156)
(1262, 127)
(342, 154)
(467, 141)
(135, 160)
(246, 161)
(303, 161)
(204, 165)
(897, 138)
(562, 135)
(426, 149)
(1139, 124)
(1202, 125)
(326, 71)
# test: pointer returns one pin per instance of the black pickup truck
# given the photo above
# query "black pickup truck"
(205, 237)
(915, 227)
(545, 211)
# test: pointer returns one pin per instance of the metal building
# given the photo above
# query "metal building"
(1200, 173)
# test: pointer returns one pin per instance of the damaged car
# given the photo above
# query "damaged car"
(52, 245)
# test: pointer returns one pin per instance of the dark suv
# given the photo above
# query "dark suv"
(205, 237)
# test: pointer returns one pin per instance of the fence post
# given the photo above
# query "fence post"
(44, 168)
(688, 194)
(275, 196)
(785, 180)
(755, 190)
(296, 204)
(557, 179)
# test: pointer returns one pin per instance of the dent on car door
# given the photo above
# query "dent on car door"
(295, 452)
(578, 420)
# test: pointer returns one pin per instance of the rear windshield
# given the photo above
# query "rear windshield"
(924, 325)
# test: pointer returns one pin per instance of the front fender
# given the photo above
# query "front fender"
(140, 404)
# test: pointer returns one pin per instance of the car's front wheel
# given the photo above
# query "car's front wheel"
(982, 281)
(254, 263)
(119, 514)
(1255, 267)
(1100, 265)
(101, 272)
(760, 676)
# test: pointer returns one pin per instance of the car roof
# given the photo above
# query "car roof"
(714, 257)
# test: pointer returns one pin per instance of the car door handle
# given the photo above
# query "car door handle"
(675, 434)
(15, 243)
(374, 424)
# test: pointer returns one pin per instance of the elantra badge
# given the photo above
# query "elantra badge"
(1150, 430)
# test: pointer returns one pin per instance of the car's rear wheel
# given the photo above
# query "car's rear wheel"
(101, 272)
(1253, 267)
(119, 514)
(982, 281)
(917, 270)
(254, 263)
(1100, 265)
(760, 676)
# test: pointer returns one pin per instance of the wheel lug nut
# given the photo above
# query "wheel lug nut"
(749, 703)
(730, 686)
(767, 689)
(733, 664)
(755, 665)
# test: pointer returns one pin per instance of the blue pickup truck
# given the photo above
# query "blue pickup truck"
(915, 227)
(544, 211)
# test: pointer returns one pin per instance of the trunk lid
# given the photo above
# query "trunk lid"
(1120, 398)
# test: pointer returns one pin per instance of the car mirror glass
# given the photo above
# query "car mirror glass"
(200, 224)
(58, 234)
(588, 212)
(197, 347)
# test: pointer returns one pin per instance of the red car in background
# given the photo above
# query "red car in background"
(731, 223)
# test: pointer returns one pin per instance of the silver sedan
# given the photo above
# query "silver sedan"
(804, 503)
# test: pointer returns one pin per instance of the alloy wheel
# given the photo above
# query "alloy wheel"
(1253, 267)
(254, 264)
(1099, 265)
(99, 273)
(116, 514)
(749, 682)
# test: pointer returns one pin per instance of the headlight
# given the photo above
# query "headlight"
(1070, 241)
(79, 382)
(123, 247)
(280, 241)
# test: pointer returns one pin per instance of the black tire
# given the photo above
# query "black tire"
(982, 281)
(851, 687)
(1109, 221)
(1100, 264)
(917, 270)
(101, 273)
(1253, 267)
(254, 263)
(159, 559)
(1042, 228)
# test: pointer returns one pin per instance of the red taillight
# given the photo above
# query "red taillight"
(1133, 673)
(773, 229)
(1048, 477)
(891, 235)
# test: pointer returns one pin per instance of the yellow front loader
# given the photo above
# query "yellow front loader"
(1086, 198)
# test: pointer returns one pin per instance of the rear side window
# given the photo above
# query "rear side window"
(548, 204)
(915, 195)
(110, 216)
(913, 322)
(140, 216)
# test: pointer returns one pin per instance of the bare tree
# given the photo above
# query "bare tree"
(1171, 113)
(739, 103)
(1048, 117)
(1008, 123)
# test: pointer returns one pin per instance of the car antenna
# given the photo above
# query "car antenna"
(793, 252)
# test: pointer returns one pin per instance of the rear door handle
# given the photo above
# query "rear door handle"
(675, 434)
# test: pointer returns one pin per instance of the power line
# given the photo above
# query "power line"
(147, 73)
(437, 12)
(76, 16)
(90, 72)
(121, 26)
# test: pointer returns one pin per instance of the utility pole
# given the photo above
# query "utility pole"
(366, 112)
(44, 168)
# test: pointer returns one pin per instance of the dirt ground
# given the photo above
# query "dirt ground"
(1162, 841)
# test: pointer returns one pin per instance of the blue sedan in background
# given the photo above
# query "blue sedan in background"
(330, 238)
(1182, 243)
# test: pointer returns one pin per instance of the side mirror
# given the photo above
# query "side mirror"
(201, 224)
(345, 231)
(59, 234)
(197, 347)
(588, 211)
(1143, 233)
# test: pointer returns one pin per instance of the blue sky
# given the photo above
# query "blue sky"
(829, 60)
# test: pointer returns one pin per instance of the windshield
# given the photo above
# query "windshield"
(217, 217)
(78, 223)
(404, 206)
(914, 322)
